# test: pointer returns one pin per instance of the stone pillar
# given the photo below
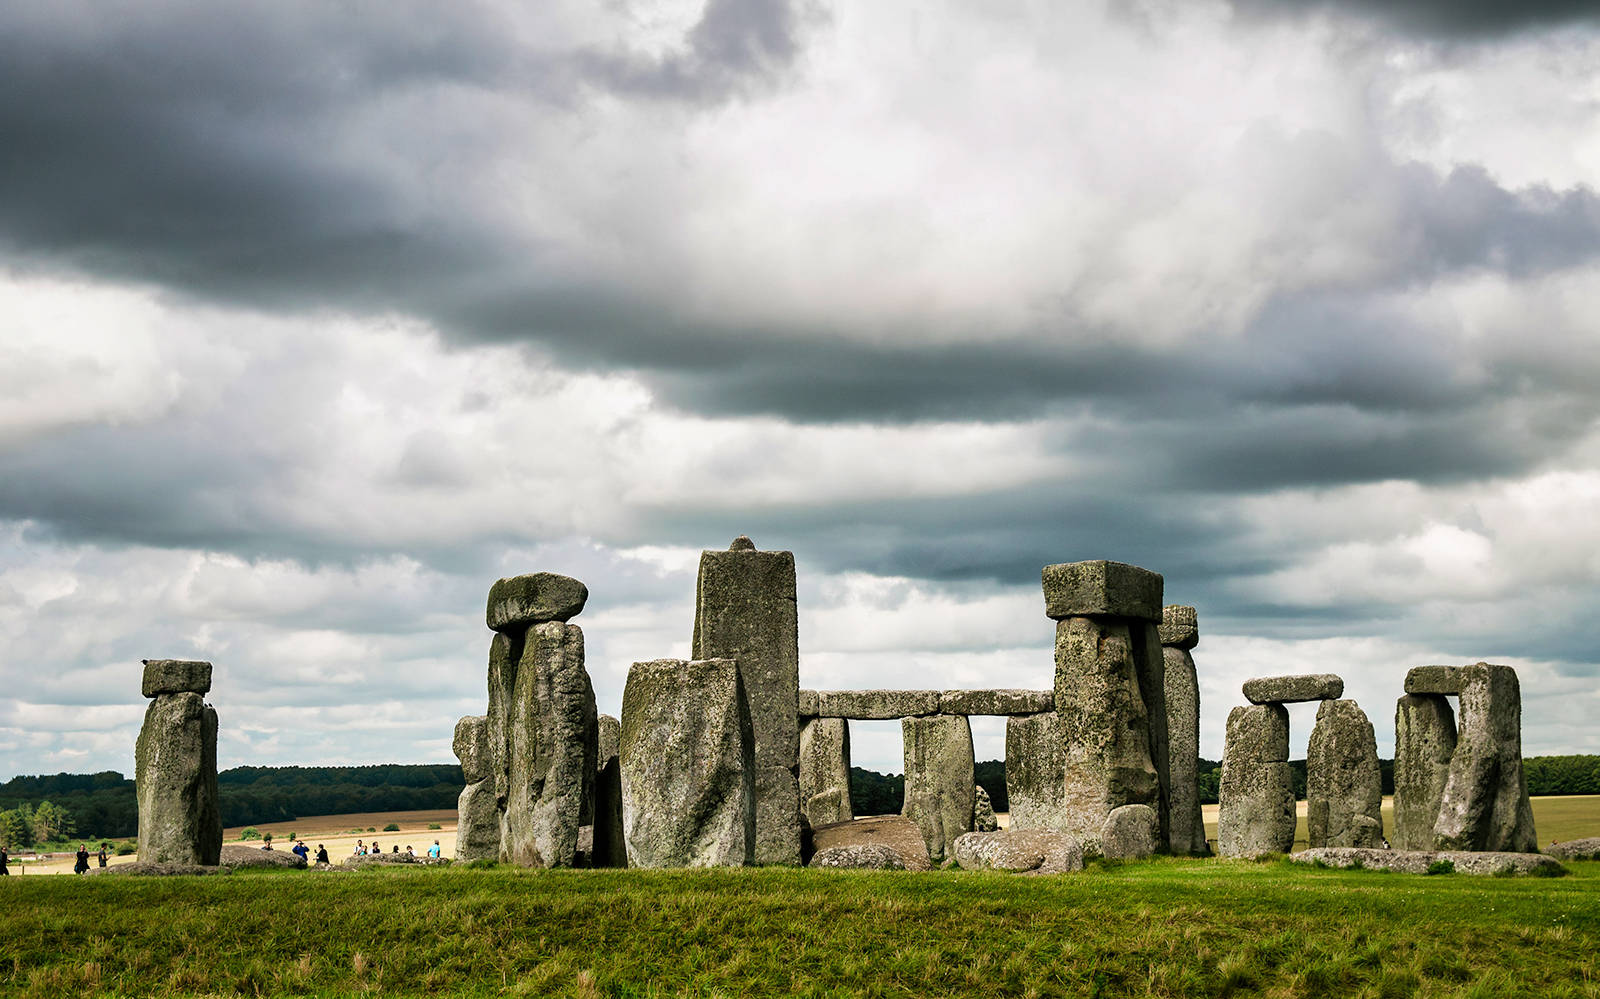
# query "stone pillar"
(939, 774)
(1257, 792)
(1424, 740)
(1344, 787)
(1035, 762)
(1180, 632)
(478, 817)
(688, 765)
(175, 766)
(610, 848)
(745, 610)
(825, 771)
(1110, 691)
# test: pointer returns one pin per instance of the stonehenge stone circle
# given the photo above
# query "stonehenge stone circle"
(607, 846)
(880, 705)
(535, 598)
(825, 771)
(175, 767)
(745, 611)
(1256, 813)
(938, 780)
(688, 765)
(1035, 763)
(1344, 787)
(1424, 741)
(477, 815)
(1293, 689)
(1180, 632)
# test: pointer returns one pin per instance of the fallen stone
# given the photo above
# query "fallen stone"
(1418, 861)
(175, 775)
(1293, 689)
(1484, 805)
(159, 869)
(825, 771)
(1424, 741)
(238, 855)
(865, 857)
(1130, 833)
(519, 601)
(1186, 828)
(1256, 796)
(1436, 679)
(1101, 588)
(175, 676)
(478, 822)
(983, 819)
(996, 702)
(688, 766)
(1035, 765)
(554, 740)
(938, 780)
(893, 831)
(472, 748)
(1575, 849)
(877, 705)
(1038, 851)
(607, 845)
(375, 859)
(1180, 627)
(1344, 786)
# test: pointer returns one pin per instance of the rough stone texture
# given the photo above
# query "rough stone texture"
(806, 706)
(1038, 851)
(505, 651)
(372, 859)
(1436, 679)
(996, 702)
(175, 772)
(1180, 627)
(1424, 740)
(688, 765)
(1575, 849)
(238, 855)
(1186, 828)
(521, 601)
(896, 832)
(1256, 813)
(878, 705)
(939, 780)
(869, 856)
(155, 869)
(1130, 833)
(1105, 725)
(1484, 805)
(825, 771)
(1151, 664)
(553, 743)
(472, 748)
(1035, 764)
(1110, 589)
(175, 676)
(607, 845)
(1344, 787)
(1293, 689)
(1418, 861)
(745, 610)
(983, 819)
(478, 822)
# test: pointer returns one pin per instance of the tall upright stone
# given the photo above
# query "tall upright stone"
(175, 766)
(825, 771)
(1424, 741)
(1035, 764)
(1256, 797)
(939, 776)
(1180, 632)
(1344, 787)
(610, 846)
(745, 610)
(478, 817)
(553, 745)
(1110, 691)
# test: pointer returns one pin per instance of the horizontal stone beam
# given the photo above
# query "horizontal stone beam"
(1292, 689)
(1436, 680)
(175, 676)
(885, 705)
(996, 702)
(1101, 589)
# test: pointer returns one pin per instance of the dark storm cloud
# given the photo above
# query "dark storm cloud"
(1467, 19)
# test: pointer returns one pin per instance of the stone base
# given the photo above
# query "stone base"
(1418, 861)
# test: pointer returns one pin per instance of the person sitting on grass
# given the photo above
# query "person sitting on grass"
(322, 854)
(266, 841)
(300, 850)
(360, 850)
(410, 853)
(433, 851)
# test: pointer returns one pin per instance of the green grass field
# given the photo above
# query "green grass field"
(1166, 927)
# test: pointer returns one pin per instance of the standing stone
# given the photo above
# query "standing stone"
(745, 610)
(1186, 826)
(688, 765)
(609, 847)
(939, 780)
(553, 747)
(175, 761)
(505, 651)
(478, 816)
(1344, 787)
(1150, 660)
(1035, 762)
(983, 818)
(1424, 740)
(825, 771)
(1256, 813)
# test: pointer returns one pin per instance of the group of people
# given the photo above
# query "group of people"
(82, 864)
(373, 849)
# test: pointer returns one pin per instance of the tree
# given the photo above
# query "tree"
(51, 822)
(15, 830)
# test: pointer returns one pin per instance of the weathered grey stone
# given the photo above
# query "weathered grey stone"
(375, 859)
(175, 776)
(807, 704)
(1105, 725)
(1293, 689)
(688, 765)
(1424, 741)
(1180, 626)
(1256, 813)
(1587, 848)
(157, 869)
(520, 601)
(175, 676)
(1436, 679)
(608, 848)
(1186, 827)
(1035, 771)
(1110, 589)
(553, 743)
(996, 702)
(472, 748)
(1151, 665)
(896, 832)
(825, 771)
(983, 818)
(879, 705)
(1038, 851)
(505, 651)
(237, 855)
(1130, 833)
(745, 610)
(1344, 787)
(1418, 861)
(868, 856)
(1484, 805)
(478, 822)
(939, 780)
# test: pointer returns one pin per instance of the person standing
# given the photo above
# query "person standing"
(5, 861)
(82, 866)
(300, 850)
(102, 855)
(322, 854)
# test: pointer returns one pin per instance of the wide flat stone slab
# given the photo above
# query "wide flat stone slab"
(1180, 626)
(241, 855)
(159, 869)
(1436, 679)
(1024, 851)
(868, 856)
(1418, 861)
(877, 705)
(1575, 849)
(519, 601)
(175, 676)
(896, 832)
(1099, 587)
(996, 702)
(1294, 689)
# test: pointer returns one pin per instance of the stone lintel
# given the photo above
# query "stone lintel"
(877, 705)
(1180, 626)
(1436, 680)
(807, 704)
(175, 676)
(519, 601)
(1101, 588)
(996, 702)
(1294, 689)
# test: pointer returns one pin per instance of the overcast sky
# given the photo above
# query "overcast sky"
(315, 319)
